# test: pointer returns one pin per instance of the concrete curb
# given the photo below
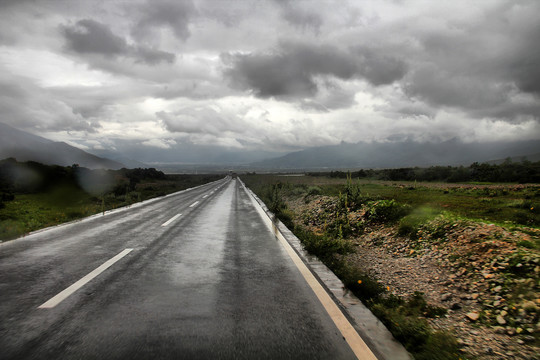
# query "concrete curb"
(370, 329)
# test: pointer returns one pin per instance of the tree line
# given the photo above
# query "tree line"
(33, 177)
(509, 171)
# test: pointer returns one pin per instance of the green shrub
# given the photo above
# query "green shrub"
(298, 190)
(353, 193)
(526, 244)
(275, 200)
(405, 321)
(313, 190)
(339, 225)
(361, 284)
(410, 224)
(323, 246)
(439, 346)
(385, 211)
(132, 197)
(525, 205)
(412, 332)
(419, 306)
(74, 214)
(286, 217)
(524, 218)
(522, 265)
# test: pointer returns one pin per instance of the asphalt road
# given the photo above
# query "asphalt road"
(211, 283)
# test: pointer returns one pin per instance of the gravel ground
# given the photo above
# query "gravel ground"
(467, 274)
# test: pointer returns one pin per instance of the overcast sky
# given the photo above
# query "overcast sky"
(269, 75)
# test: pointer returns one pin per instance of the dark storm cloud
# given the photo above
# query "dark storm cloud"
(302, 18)
(8, 3)
(175, 15)
(360, 70)
(525, 67)
(379, 68)
(479, 98)
(26, 105)
(291, 71)
(152, 56)
(88, 36)
(486, 68)
(438, 87)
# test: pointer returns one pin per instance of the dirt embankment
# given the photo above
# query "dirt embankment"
(485, 275)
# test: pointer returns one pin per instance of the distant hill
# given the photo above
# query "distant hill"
(115, 156)
(24, 146)
(379, 155)
(530, 157)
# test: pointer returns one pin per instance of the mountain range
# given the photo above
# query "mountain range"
(400, 154)
(24, 146)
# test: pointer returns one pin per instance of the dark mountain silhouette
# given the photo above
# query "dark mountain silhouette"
(400, 154)
(24, 146)
(531, 157)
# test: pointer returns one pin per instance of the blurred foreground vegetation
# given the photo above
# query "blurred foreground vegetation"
(34, 196)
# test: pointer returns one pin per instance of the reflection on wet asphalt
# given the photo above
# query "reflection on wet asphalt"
(215, 283)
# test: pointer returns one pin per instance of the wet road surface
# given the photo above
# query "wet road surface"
(196, 275)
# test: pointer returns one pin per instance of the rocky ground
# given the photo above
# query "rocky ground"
(485, 275)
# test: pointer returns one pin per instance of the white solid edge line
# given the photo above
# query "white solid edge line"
(358, 346)
(171, 220)
(195, 203)
(61, 296)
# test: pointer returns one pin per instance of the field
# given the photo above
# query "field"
(452, 270)
(29, 208)
(505, 204)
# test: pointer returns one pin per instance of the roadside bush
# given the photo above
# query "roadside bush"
(526, 205)
(412, 332)
(313, 190)
(297, 190)
(353, 193)
(410, 224)
(521, 265)
(133, 196)
(340, 226)
(440, 346)
(322, 246)
(419, 306)
(526, 244)
(362, 285)
(524, 218)
(286, 217)
(75, 214)
(405, 320)
(275, 200)
(436, 229)
(385, 211)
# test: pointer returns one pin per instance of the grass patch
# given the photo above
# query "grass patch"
(385, 211)
(506, 205)
(410, 224)
(26, 210)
